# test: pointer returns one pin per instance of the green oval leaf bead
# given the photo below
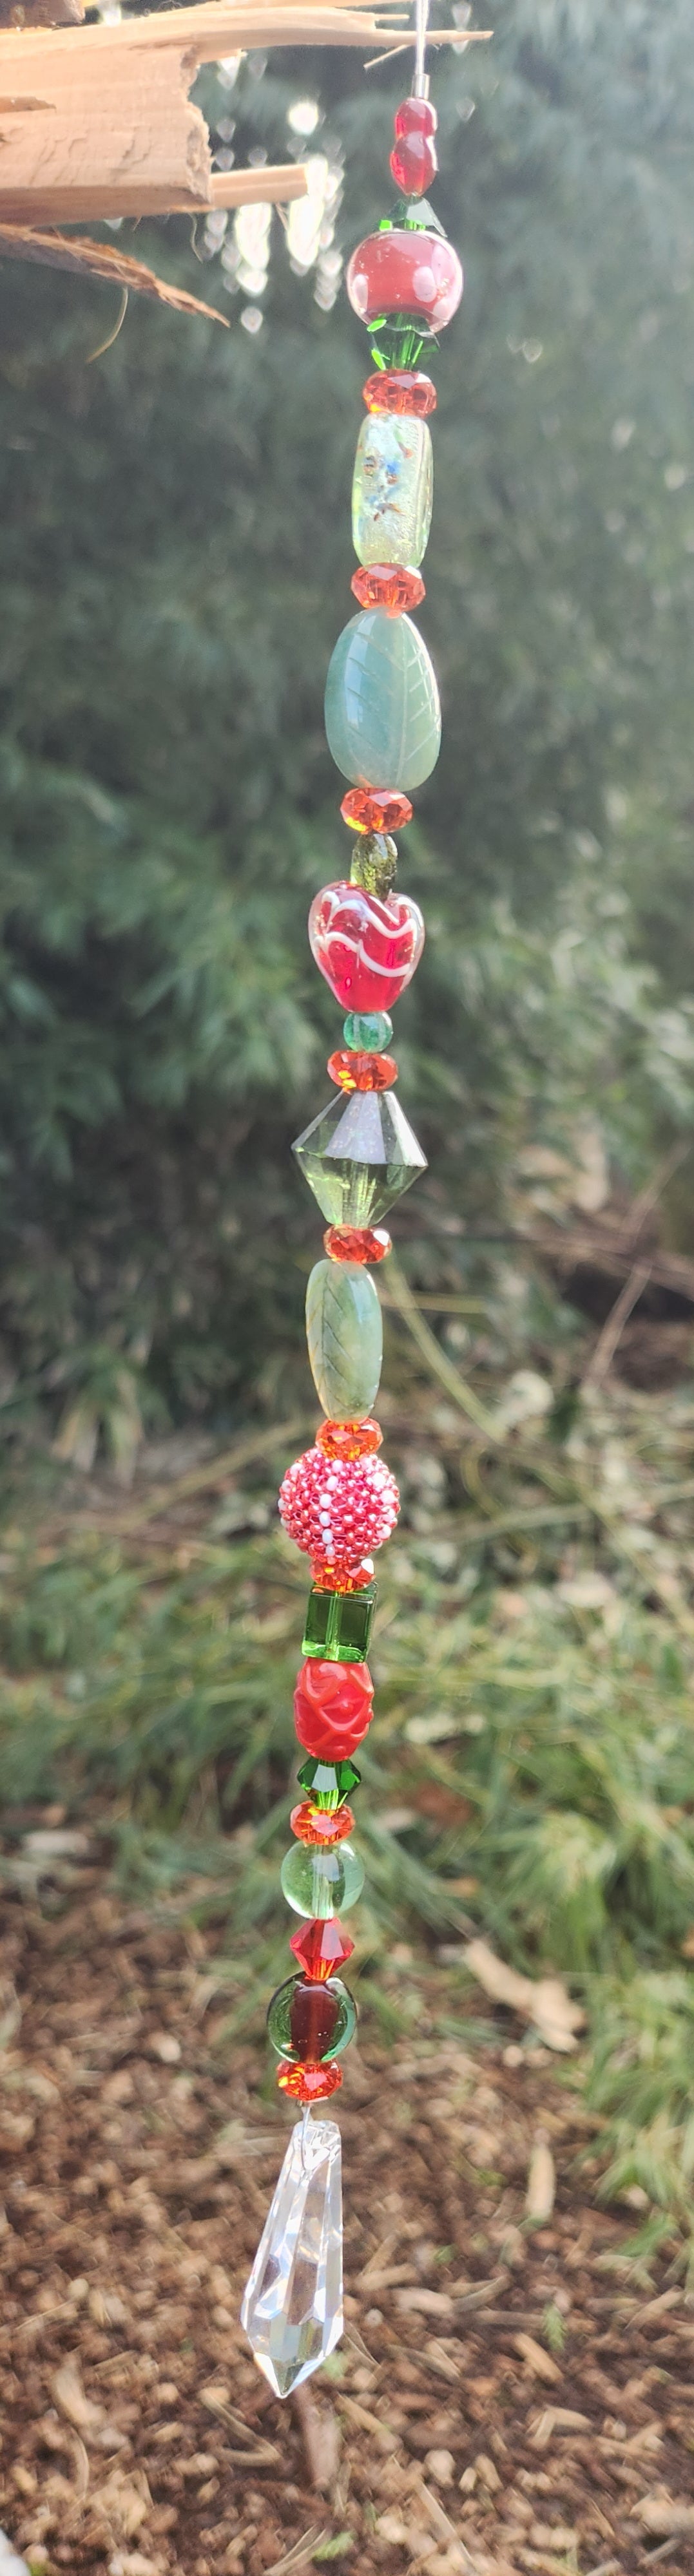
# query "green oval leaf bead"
(392, 490)
(325, 2013)
(367, 1031)
(319, 1882)
(382, 711)
(344, 1331)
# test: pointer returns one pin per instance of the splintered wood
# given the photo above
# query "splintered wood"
(96, 121)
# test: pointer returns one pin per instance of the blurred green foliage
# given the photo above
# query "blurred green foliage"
(176, 560)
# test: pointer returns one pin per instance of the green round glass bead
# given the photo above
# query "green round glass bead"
(367, 1030)
(319, 1881)
(328, 1783)
(311, 2020)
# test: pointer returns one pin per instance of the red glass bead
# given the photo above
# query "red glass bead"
(321, 1948)
(370, 809)
(400, 389)
(357, 1243)
(413, 165)
(340, 1578)
(309, 2083)
(415, 116)
(320, 1824)
(353, 1072)
(314, 2015)
(338, 1508)
(332, 1707)
(393, 587)
(405, 271)
(367, 946)
(348, 1439)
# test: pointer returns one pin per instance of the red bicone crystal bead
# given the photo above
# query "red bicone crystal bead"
(405, 271)
(321, 1948)
(354, 1072)
(373, 809)
(338, 1508)
(367, 946)
(332, 1707)
(357, 1243)
(413, 165)
(320, 1824)
(394, 587)
(340, 1578)
(415, 116)
(309, 2083)
(400, 389)
(349, 1439)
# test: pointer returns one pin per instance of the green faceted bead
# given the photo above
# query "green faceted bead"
(382, 712)
(319, 1881)
(311, 2020)
(344, 1331)
(392, 489)
(328, 1783)
(367, 1031)
(338, 1626)
(359, 1155)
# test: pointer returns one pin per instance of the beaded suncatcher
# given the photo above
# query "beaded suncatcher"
(339, 1501)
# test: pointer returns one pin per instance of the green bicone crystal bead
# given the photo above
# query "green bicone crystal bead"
(367, 1031)
(311, 2020)
(392, 490)
(320, 1880)
(338, 1626)
(358, 1156)
(344, 1331)
(328, 1784)
(382, 711)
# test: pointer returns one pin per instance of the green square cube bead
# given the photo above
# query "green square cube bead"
(339, 1624)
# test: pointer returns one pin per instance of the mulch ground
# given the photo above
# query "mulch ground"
(507, 2397)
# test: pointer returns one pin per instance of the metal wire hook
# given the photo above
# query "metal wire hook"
(420, 84)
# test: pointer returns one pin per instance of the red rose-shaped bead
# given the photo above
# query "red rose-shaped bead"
(405, 272)
(338, 1508)
(332, 1708)
(366, 948)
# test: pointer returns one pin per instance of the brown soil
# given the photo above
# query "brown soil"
(462, 2433)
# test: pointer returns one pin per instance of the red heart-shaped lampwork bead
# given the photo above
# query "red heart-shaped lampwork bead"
(366, 948)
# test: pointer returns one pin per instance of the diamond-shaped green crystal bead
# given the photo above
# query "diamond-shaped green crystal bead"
(292, 2305)
(318, 1880)
(327, 1784)
(338, 1626)
(358, 1156)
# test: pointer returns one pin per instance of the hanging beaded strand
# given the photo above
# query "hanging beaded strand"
(339, 1502)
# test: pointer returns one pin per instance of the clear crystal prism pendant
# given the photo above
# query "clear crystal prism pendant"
(292, 2304)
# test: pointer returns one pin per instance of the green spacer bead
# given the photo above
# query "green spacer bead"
(367, 1031)
(327, 1784)
(319, 1880)
(338, 1625)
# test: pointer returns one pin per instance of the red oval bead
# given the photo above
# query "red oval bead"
(405, 272)
(356, 1243)
(413, 165)
(400, 389)
(354, 1072)
(370, 809)
(332, 1708)
(415, 116)
(394, 587)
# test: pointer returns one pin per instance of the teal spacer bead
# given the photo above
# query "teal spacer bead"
(367, 1031)
(382, 711)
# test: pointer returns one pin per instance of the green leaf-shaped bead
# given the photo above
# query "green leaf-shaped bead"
(344, 1331)
(382, 713)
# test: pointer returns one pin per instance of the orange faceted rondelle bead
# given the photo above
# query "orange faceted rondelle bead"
(393, 587)
(321, 1824)
(400, 389)
(354, 1072)
(335, 1578)
(357, 1242)
(376, 809)
(348, 1439)
(309, 2083)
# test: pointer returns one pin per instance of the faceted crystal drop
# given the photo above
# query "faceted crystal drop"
(382, 711)
(392, 490)
(344, 1331)
(327, 1783)
(311, 2020)
(319, 1883)
(358, 1156)
(292, 2306)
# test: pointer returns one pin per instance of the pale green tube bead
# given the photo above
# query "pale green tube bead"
(392, 489)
